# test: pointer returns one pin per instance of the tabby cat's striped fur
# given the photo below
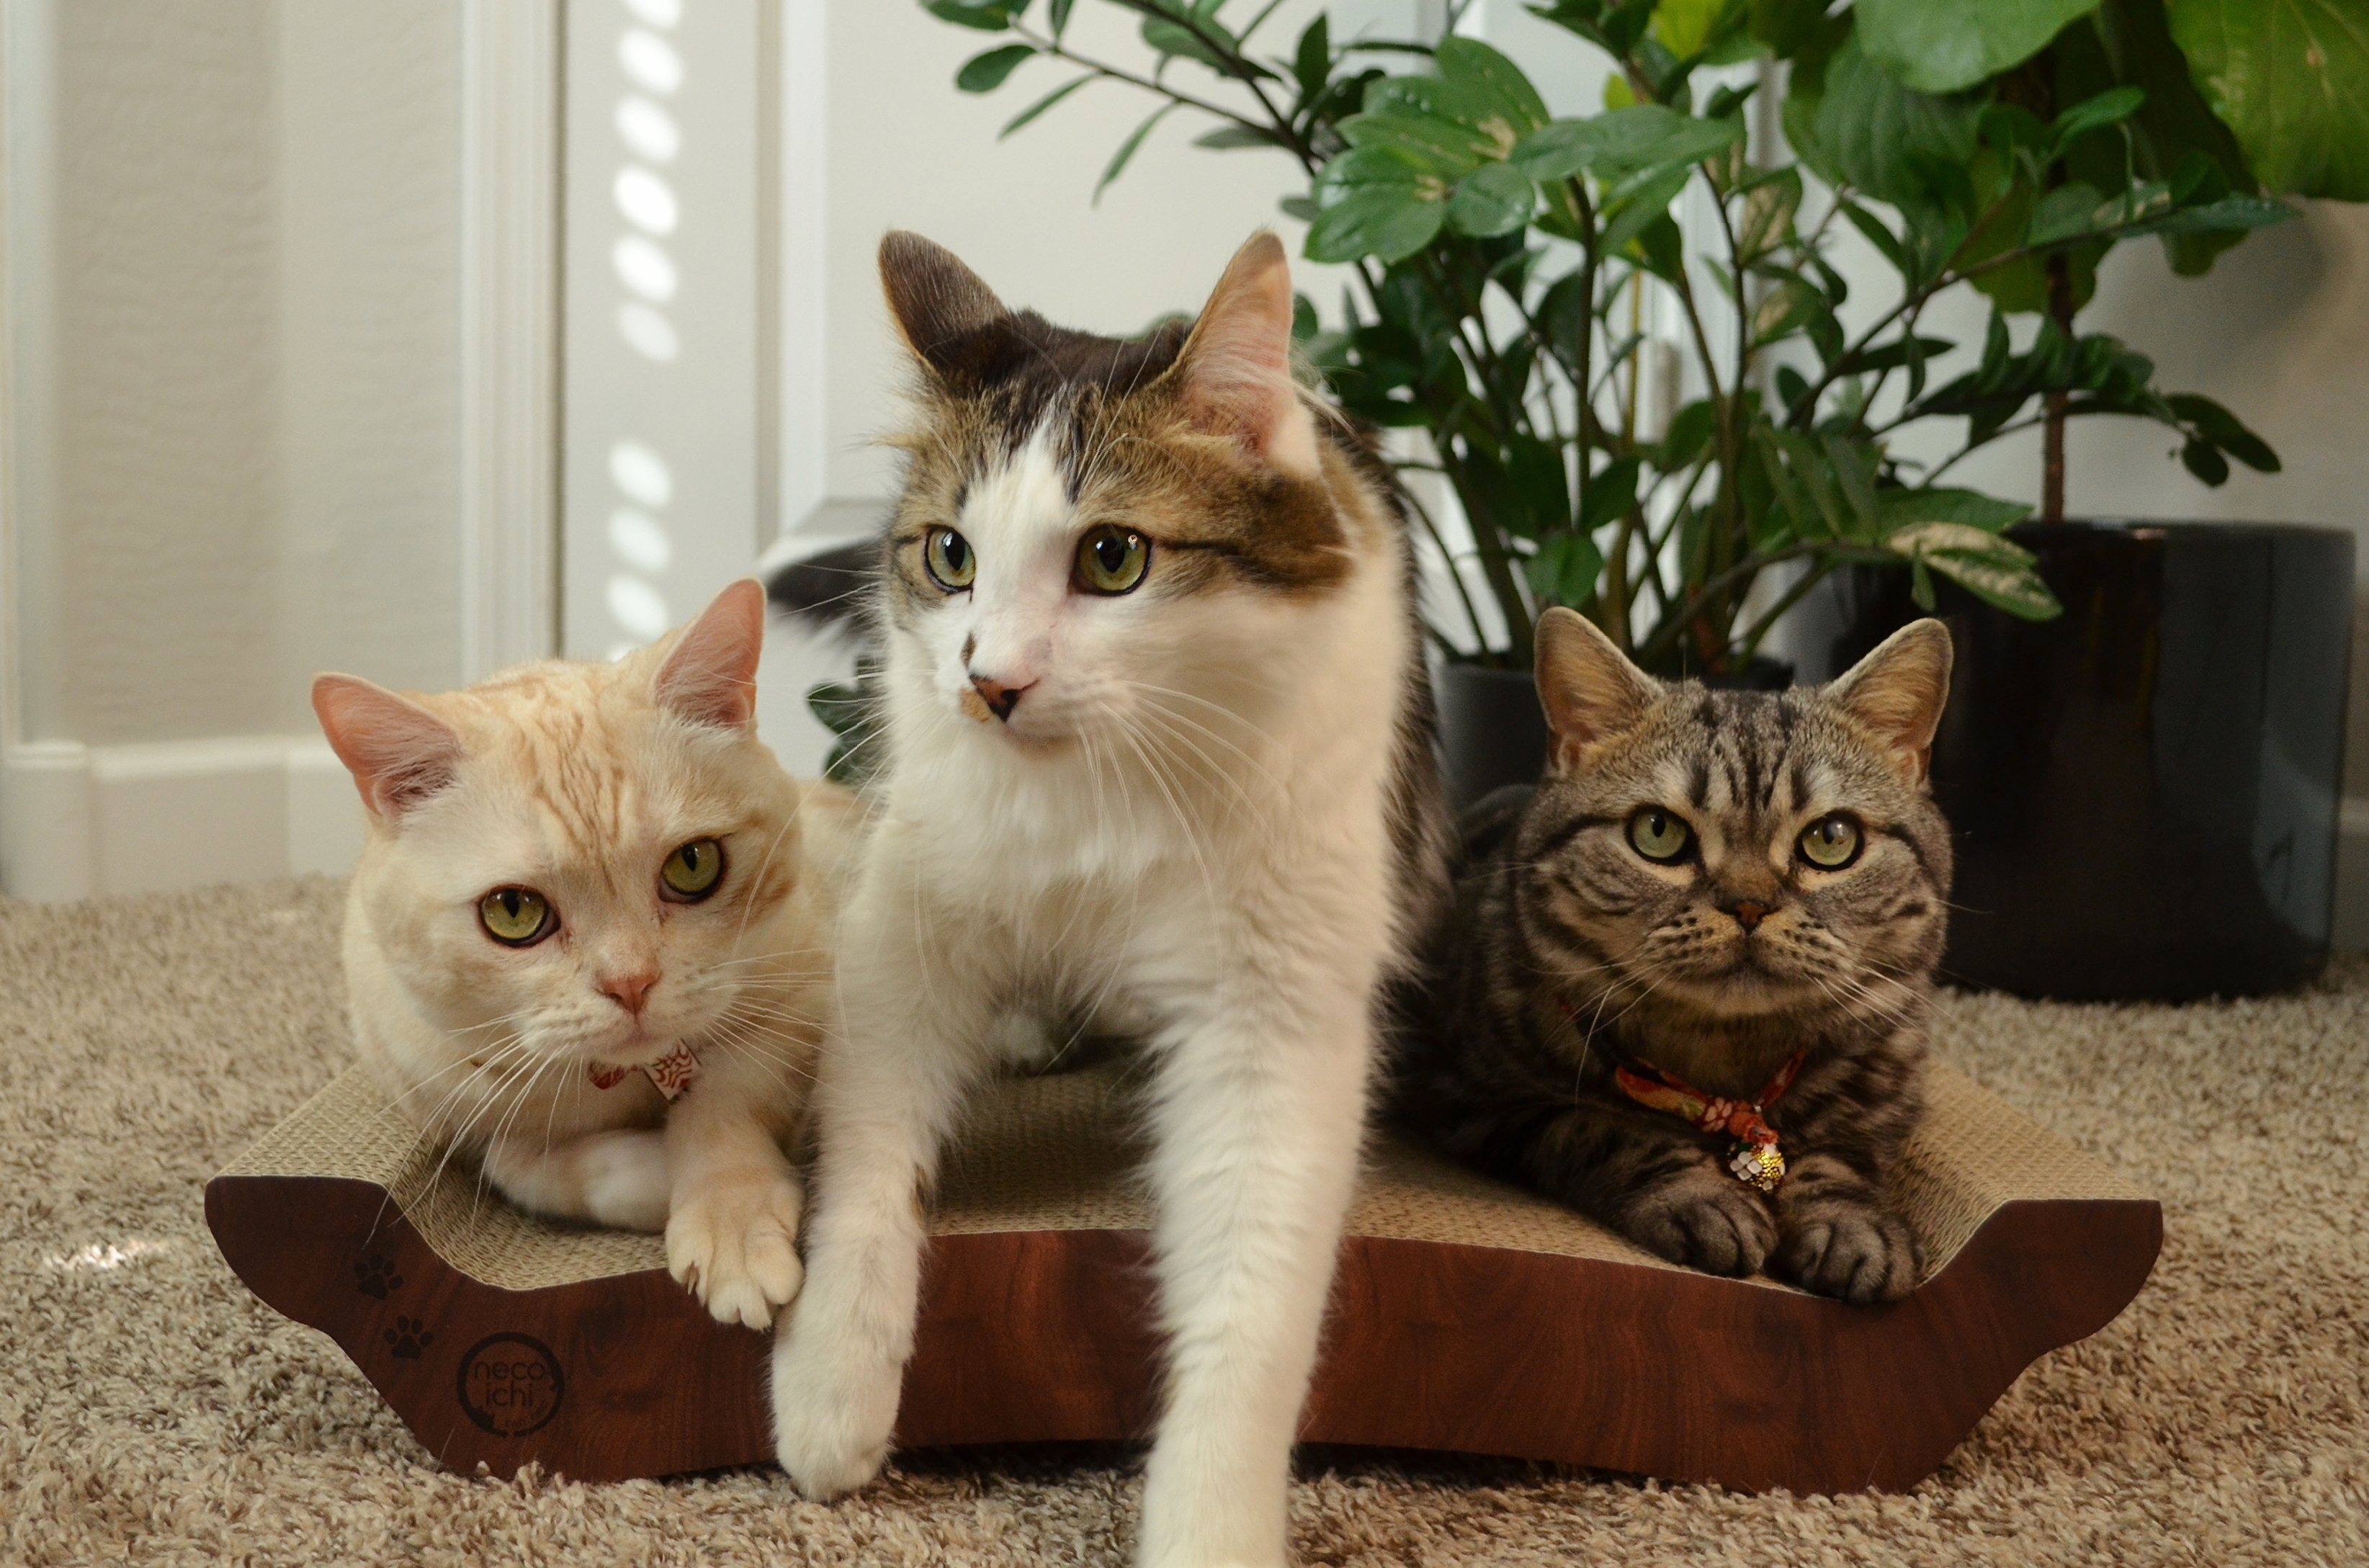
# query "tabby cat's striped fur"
(1571, 950)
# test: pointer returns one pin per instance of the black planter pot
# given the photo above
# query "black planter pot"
(2144, 792)
(1492, 733)
(1491, 730)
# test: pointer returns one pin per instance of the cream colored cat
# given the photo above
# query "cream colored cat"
(588, 943)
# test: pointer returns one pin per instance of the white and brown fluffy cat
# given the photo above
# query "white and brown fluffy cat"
(1158, 752)
(588, 943)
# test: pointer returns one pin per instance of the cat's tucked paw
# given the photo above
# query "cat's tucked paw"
(1704, 1219)
(734, 1245)
(1856, 1251)
(833, 1410)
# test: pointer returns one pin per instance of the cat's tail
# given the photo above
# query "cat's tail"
(831, 589)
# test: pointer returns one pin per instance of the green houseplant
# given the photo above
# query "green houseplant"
(1502, 260)
(2143, 787)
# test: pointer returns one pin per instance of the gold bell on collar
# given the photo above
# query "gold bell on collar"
(1758, 1165)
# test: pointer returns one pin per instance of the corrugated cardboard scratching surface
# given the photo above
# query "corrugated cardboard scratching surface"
(1056, 1153)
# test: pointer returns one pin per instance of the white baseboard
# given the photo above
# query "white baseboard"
(78, 821)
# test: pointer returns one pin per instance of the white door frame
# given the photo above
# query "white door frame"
(510, 333)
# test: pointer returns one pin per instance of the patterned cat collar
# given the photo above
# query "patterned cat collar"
(671, 1073)
(1754, 1157)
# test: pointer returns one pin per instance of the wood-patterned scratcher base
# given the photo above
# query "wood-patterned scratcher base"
(1467, 1315)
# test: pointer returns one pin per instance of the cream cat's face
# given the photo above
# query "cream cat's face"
(567, 863)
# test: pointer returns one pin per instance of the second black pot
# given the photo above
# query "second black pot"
(2144, 792)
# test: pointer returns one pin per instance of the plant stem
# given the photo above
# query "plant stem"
(1666, 635)
(1236, 65)
(1447, 558)
(2052, 460)
(1951, 461)
(1727, 443)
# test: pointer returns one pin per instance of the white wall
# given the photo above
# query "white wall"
(235, 267)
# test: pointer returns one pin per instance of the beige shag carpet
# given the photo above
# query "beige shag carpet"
(151, 1410)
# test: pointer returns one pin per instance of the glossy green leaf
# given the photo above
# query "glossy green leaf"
(1688, 433)
(1311, 61)
(1994, 569)
(2225, 430)
(985, 73)
(2203, 459)
(987, 16)
(1683, 27)
(1784, 310)
(1644, 204)
(1565, 569)
(1384, 223)
(2066, 213)
(1057, 16)
(1227, 138)
(1942, 46)
(1494, 199)
(1477, 119)
(1877, 131)
(1125, 153)
(1202, 39)
(1493, 79)
(1611, 490)
(2291, 78)
(2231, 214)
(1967, 508)
(1767, 220)
(1365, 169)
(2110, 108)
(1041, 104)
(1442, 147)
(2175, 124)
(1622, 142)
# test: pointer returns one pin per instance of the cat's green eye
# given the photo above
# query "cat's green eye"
(1113, 560)
(949, 559)
(691, 872)
(1831, 843)
(515, 916)
(1659, 835)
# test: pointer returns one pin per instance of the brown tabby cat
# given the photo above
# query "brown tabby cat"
(1687, 987)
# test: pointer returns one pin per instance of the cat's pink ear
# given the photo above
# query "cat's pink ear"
(711, 675)
(398, 752)
(941, 305)
(1237, 363)
(1588, 686)
(1898, 691)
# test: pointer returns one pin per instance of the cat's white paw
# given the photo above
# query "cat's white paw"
(734, 1244)
(833, 1410)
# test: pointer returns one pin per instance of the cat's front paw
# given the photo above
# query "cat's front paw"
(1858, 1251)
(734, 1244)
(1704, 1219)
(833, 1409)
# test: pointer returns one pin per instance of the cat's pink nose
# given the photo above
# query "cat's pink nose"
(631, 992)
(1748, 914)
(1000, 699)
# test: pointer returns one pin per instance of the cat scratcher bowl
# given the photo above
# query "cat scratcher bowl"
(1467, 1315)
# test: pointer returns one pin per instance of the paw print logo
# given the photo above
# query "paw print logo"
(409, 1336)
(377, 1275)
